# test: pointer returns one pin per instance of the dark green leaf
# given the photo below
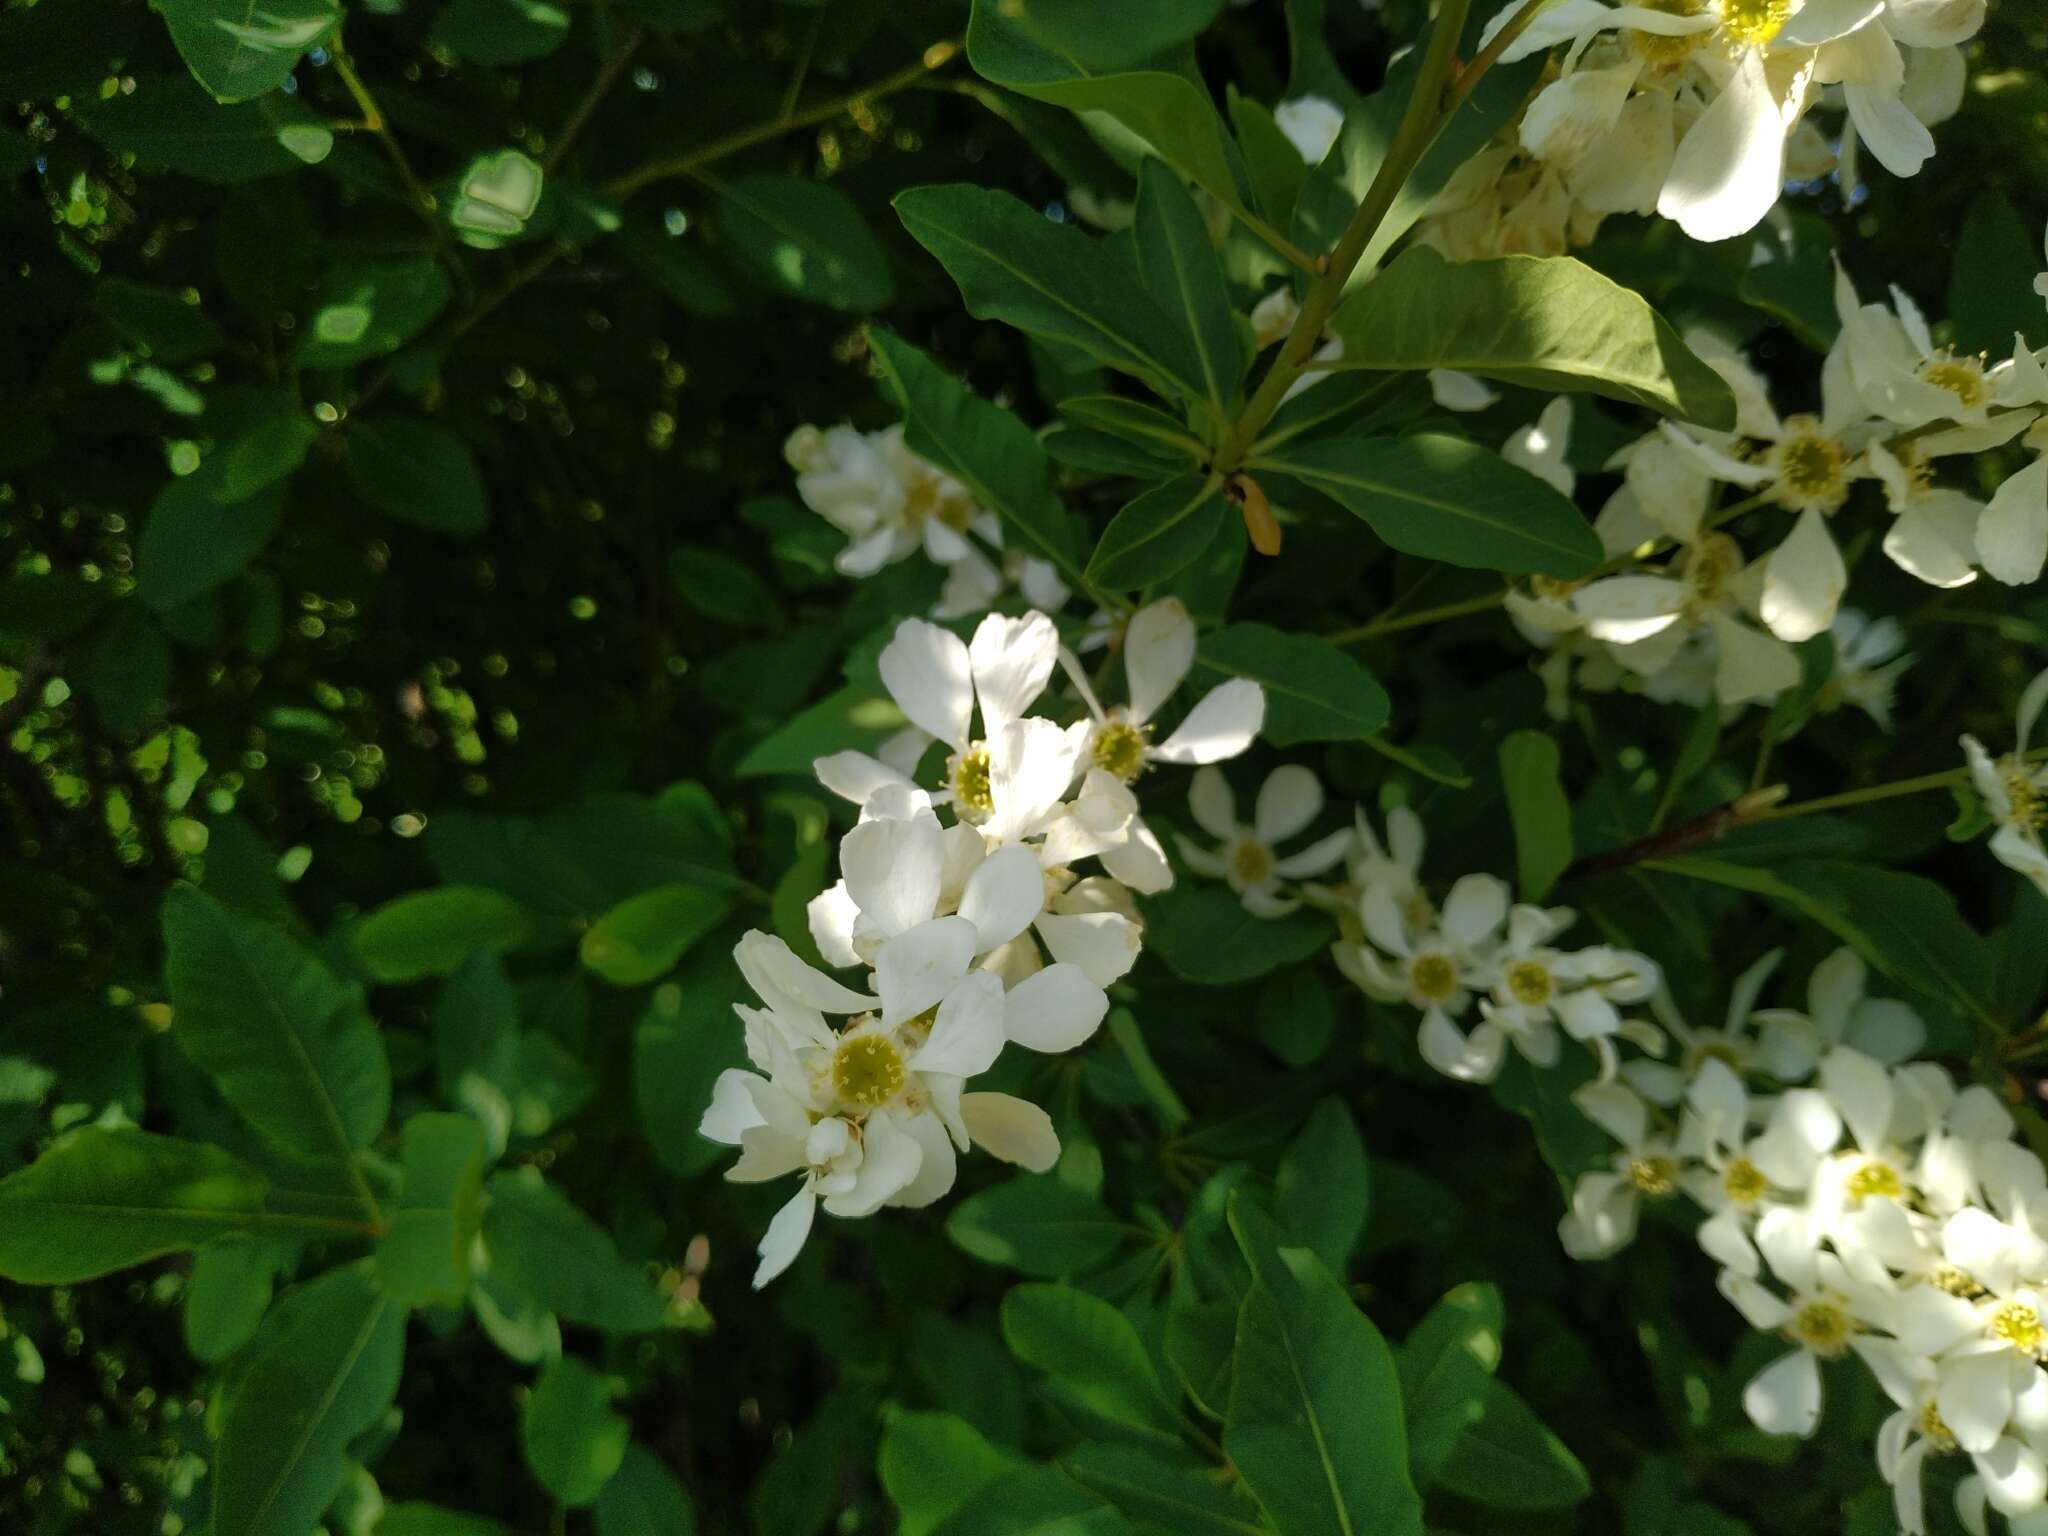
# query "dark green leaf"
(419, 472)
(1171, 1495)
(1529, 772)
(1035, 1224)
(1164, 531)
(1322, 1190)
(239, 49)
(641, 939)
(167, 122)
(424, 1259)
(1447, 1367)
(1179, 264)
(543, 1246)
(226, 1297)
(1099, 38)
(502, 31)
(933, 1464)
(643, 1498)
(1314, 692)
(430, 933)
(369, 309)
(1093, 1355)
(573, 1439)
(1510, 1460)
(807, 239)
(1205, 935)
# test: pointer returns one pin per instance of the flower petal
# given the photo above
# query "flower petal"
(784, 1239)
(1289, 800)
(926, 670)
(1159, 647)
(1221, 726)
(1016, 1130)
(915, 969)
(1003, 896)
(1054, 1010)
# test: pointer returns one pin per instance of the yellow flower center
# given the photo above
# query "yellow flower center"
(1251, 862)
(1433, 977)
(1955, 1280)
(973, 794)
(1120, 749)
(1744, 1182)
(1811, 468)
(2029, 805)
(2019, 1325)
(1664, 53)
(1655, 1176)
(1822, 1327)
(1708, 565)
(1874, 1180)
(1754, 22)
(927, 496)
(1962, 377)
(1529, 983)
(1552, 589)
(1935, 1427)
(867, 1071)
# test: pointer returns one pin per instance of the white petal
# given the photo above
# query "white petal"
(1784, 1397)
(1325, 853)
(926, 671)
(1473, 1058)
(893, 870)
(1015, 1130)
(915, 969)
(1030, 764)
(831, 915)
(1159, 647)
(1011, 660)
(1935, 539)
(1211, 803)
(890, 1160)
(1804, 579)
(1139, 862)
(1862, 1091)
(1474, 909)
(2012, 535)
(1898, 139)
(731, 1112)
(1055, 1010)
(784, 1239)
(1221, 726)
(855, 776)
(1730, 164)
(1104, 945)
(2014, 1476)
(1626, 609)
(1820, 21)
(1750, 664)
(937, 1170)
(1289, 800)
(1456, 391)
(967, 1036)
(1003, 896)
(785, 983)
(1975, 1398)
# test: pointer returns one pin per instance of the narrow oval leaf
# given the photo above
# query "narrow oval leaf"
(100, 1200)
(1095, 36)
(1037, 1225)
(1205, 935)
(641, 939)
(1509, 1459)
(289, 1046)
(1543, 322)
(419, 472)
(1542, 816)
(1093, 1355)
(323, 1368)
(543, 1246)
(1314, 692)
(807, 239)
(242, 48)
(1049, 280)
(1185, 278)
(1447, 1365)
(1164, 531)
(1443, 498)
(1145, 425)
(430, 933)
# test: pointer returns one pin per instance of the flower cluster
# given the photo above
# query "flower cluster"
(981, 928)
(1689, 613)
(1855, 1200)
(1697, 110)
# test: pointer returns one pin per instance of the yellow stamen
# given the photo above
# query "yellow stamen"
(1120, 749)
(867, 1070)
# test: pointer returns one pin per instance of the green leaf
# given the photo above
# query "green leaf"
(643, 1498)
(288, 1045)
(1171, 1495)
(100, 1200)
(1179, 265)
(1037, 1225)
(723, 588)
(1100, 38)
(1791, 275)
(431, 932)
(851, 719)
(413, 1518)
(807, 239)
(1093, 1355)
(1145, 426)
(1163, 105)
(1322, 1189)
(1447, 1367)
(324, 1367)
(573, 1439)
(368, 309)
(200, 533)
(1035, 1501)
(159, 320)
(1314, 1425)
(542, 1245)
(1542, 816)
(419, 472)
(498, 194)
(1510, 1460)
(1049, 280)
(1991, 283)
(933, 1464)
(502, 31)
(1314, 692)
(986, 448)
(240, 49)
(1443, 498)
(1272, 163)
(1541, 322)
(1205, 935)
(1165, 530)
(168, 123)
(226, 1297)
(641, 939)
(424, 1259)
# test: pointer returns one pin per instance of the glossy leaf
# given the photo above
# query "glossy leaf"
(1165, 530)
(1447, 1366)
(1093, 1355)
(1036, 1224)
(1447, 499)
(643, 1498)
(1314, 691)
(369, 309)
(431, 932)
(1322, 1190)
(1179, 264)
(807, 239)
(1542, 816)
(238, 49)
(1097, 38)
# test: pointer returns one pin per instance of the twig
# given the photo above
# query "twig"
(607, 77)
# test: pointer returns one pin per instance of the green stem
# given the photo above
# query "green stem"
(423, 201)
(1389, 624)
(1434, 100)
(936, 57)
(1868, 794)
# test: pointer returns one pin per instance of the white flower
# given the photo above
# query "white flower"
(887, 500)
(1535, 984)
(1540, 447)
(1733, 1043)
(1311, 124)
(1289, 800)
(1838, 1012)
(2015, 791)
(1601, 1220)
(1902, 375)
(1739, 1172)
(1868, 662)
(2012, 535)
(1395, 864)
(1456, 391)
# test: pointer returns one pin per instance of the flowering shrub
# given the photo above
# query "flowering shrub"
(1048, 630)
